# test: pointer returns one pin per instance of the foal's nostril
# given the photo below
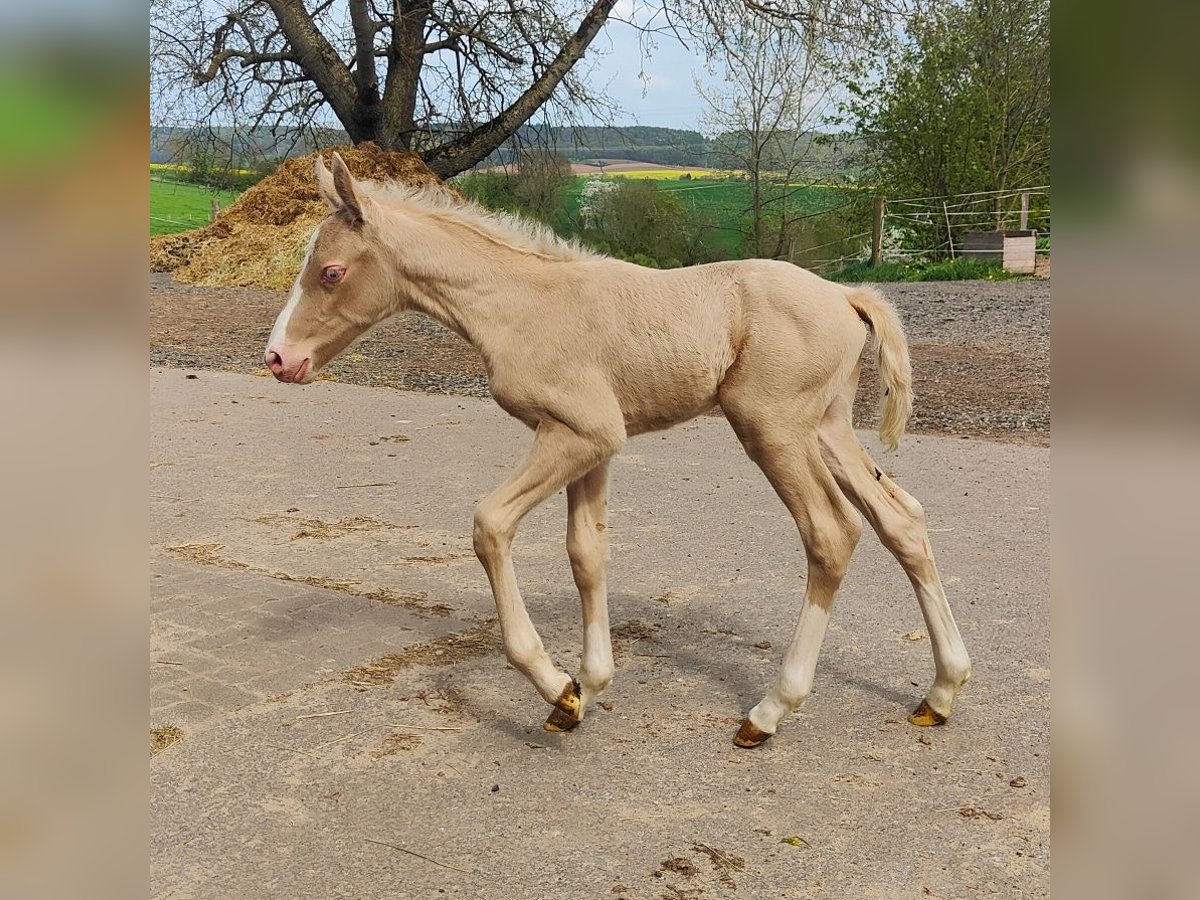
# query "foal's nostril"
(274, 361)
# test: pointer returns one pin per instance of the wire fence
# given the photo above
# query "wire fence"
(934, 228)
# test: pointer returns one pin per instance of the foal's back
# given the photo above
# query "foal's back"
(663, 341)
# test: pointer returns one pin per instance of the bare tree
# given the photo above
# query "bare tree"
(777, 86)
(449, 79)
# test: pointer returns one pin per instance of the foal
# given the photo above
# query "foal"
(587, 351)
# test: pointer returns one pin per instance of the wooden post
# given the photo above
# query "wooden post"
(877, 233)
(213, 210)
(1025, 210)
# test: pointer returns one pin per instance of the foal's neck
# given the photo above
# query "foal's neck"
(474, 284)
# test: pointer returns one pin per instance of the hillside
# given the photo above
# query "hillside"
(637, 143)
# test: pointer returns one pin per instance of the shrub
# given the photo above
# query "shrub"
(959, 269)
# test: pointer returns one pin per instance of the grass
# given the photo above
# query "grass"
(181, 168)
(724, 202)
(959, 269)
(178, 206)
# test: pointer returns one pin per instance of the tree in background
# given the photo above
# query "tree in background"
(448, 79)
(963, 105)
(634, 220)
(777, 88)
(536, 187)
(541, 184)
(452, 80)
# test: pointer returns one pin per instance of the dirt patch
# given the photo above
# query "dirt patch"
(163, 737)
(397, 742)
(316, 528)
(627, 634)
(432, 560)
(418, 600)
(210, 555)
(205, 555)
(260, 239)
(723, 863)
(445, 651)
(679, 865)
(974, 812)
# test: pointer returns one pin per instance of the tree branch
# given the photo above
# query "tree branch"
(463, 152)
(317, 57)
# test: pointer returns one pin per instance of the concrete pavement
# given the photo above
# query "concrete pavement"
(323, 636)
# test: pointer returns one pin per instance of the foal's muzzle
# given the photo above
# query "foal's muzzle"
(291, 371)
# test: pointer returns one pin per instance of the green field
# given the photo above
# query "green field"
(722, 202)
(177, 206)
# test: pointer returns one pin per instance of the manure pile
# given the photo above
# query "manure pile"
(259, 240)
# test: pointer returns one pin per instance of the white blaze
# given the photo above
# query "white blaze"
(285, 316)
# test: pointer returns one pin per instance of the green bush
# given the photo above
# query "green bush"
(210, 170)
(959, 269)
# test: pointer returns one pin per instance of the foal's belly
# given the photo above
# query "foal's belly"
(659, 399)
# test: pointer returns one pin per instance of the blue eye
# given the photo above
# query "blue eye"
(333, 274)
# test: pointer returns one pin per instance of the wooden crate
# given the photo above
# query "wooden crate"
(1014, 250)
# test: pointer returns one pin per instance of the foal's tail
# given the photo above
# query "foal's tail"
(895, 369)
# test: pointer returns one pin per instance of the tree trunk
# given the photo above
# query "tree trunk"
(367, 111)
(405, 58)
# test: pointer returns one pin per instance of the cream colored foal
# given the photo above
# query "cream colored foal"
(588, 351)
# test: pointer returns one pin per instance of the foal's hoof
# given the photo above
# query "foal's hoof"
(926, 716)
(567, 712)
(749, 735)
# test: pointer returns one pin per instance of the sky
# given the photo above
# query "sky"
(651, 78)
(654, 86)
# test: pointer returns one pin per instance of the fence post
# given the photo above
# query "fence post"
(877, 233)
(949, 232)
(213, 210)
(1025, 210)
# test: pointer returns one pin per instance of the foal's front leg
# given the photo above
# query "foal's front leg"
(558, 457)
(587, 546)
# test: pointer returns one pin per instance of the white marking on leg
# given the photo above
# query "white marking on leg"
(952, 665)
(795, 678)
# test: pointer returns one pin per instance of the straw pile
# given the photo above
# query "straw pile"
(259, 241)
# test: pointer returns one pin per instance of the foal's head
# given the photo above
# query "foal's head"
(344, 286)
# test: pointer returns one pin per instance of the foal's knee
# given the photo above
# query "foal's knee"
(490, 534)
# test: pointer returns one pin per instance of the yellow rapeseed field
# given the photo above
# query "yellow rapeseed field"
(181, 167)
(668, 174)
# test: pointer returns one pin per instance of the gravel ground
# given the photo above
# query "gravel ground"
(981, 351)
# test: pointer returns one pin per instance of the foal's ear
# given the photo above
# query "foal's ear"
(347, 191)
(325, 185)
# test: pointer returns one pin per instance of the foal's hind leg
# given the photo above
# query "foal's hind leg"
(899, 521)
(789, 456)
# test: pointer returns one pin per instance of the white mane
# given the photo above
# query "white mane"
(503, 228)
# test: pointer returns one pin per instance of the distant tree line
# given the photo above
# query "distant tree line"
(244, 147)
